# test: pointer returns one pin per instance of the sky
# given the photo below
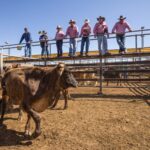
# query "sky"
(47, 14)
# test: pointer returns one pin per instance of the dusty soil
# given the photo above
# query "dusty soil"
(115, 121)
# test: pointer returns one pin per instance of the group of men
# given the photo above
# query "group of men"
(100, 32)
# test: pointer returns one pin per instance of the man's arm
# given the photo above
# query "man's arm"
(128, 27)
(22, 38)
(95, 30)
(114, 28)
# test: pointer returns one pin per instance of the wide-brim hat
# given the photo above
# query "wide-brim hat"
(72, 21)
(100, 17)
(121, 18)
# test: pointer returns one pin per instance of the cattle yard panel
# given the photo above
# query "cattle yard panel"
(137, 68)
(134, 67)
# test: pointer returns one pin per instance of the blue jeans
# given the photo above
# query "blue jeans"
(102, 44)
(73, 46)
(27, 50)
(44, 49)
(59, 44)
(121, 42)
(85, 40)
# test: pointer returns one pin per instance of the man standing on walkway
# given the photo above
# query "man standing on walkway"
(73, 33)
(85, 32)
(44, 44)
(59, 41)
(120, 29)
(27, 37)
(101, 32)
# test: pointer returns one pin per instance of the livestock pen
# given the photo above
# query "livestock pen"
(133, 67)
(101, 116)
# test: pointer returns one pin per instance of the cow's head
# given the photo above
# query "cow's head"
(67, 79)
(60, 68)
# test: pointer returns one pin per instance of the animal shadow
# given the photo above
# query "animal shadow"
(10, 137)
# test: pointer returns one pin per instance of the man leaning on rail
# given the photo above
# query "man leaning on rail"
(85, 32)
(101, 32)
(27, 37)
(72, 32)
(120, 29)
(60, 35)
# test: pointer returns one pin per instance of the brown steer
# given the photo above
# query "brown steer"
(36, 90)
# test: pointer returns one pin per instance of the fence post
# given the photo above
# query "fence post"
(101, 77)
(50, 49)
(142, 38)
(136, 44)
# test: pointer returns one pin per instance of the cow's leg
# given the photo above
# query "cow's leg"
(37, 121)
(65, 94)
(118, 83)
(27, 127)
(107, 82)
(3, 108)
(70, 97)
(20, 113)
(56, 98)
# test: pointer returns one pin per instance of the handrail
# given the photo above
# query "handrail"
(11, 46)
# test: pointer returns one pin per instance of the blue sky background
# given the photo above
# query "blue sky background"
(47, 14)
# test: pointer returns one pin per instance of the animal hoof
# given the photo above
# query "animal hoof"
(27, 134)
(36, 134)
(52, 107)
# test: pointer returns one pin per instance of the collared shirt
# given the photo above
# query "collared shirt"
(72, 32)
(120, 28)
(60, 35)
(100, 28)
(85, 30)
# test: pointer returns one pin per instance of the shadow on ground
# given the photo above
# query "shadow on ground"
(10, 137)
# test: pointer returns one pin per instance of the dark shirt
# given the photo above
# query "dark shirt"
(26, 36)
(43, 40)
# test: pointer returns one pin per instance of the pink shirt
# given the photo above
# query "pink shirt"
(72, 32)
(121, 28)
(85, 30)
(60, 35)
(100, 28)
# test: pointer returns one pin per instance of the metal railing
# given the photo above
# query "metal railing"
(139, 33)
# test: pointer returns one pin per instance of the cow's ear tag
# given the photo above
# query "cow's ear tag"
(60, 67)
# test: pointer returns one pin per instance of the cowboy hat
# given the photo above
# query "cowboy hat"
(100, 17)
(72, 21)
(121, 18)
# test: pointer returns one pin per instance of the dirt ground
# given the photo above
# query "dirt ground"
(118, 120)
